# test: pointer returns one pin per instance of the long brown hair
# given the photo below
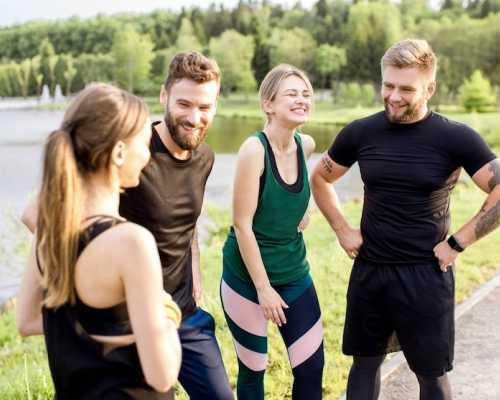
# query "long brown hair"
(99, 117)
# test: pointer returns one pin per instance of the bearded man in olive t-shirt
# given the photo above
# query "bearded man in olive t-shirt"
(168, 202)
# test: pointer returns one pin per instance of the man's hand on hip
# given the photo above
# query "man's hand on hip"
(445, 254)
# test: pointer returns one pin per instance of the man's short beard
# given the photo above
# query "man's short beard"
(411, 114)
(182, 142)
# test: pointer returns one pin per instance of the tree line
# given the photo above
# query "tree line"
(337, 42)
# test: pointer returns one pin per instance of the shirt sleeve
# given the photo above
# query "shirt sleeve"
(471, 150)
(344, 149)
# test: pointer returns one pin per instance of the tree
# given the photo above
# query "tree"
(36, 72)
(132, 53)
(48, 61)
(186, 39)
(24, 77)
(235, 64)
(295, 46)
(327, 62)
(370, 32)
(93, 68)
(65, 72)
(476, 93)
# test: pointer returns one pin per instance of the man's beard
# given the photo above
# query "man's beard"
(411, 113)
(186, 141)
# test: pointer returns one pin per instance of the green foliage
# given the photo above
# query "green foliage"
(476, 93)
(465, 36)
(328, 60)
(48, 60)
(24, 77)
(354, 94)
(295, 46)
(234, 53)
(10, 80)
(93, 68)
(187, 40)
(132, 54)
(370, 32)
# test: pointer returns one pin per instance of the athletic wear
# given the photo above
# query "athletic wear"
(202, 372)
(280, 209)
(279, 212)
(302, 335)
(168, 203)
(364, 378)
(396, 285)
(414, 301)
(83, 368)
(408, 171)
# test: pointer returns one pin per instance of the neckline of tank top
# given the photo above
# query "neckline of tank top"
(156, 135)
(274, 165)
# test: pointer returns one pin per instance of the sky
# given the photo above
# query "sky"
(18, 11)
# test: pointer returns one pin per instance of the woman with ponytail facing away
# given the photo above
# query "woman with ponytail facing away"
(93, 283)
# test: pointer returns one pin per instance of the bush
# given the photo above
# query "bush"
(476, 93)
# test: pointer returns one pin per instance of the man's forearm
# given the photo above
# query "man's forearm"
(484, 222)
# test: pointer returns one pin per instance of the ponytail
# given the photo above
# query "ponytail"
(59, 219)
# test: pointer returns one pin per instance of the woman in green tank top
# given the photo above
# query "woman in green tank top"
(265, 269)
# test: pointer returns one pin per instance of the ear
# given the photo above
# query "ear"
(267, 106)
(431, 89)
(163, 95)
(119, 153)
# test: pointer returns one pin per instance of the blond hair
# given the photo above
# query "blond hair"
(411, 53)
(272, 81)
(99, 117)
(194, 66)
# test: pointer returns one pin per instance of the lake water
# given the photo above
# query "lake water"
(22, 133)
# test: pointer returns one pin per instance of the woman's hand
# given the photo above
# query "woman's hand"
(272, 305)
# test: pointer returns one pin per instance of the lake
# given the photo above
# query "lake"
(22, 136)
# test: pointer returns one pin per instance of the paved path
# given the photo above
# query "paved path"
(476, 373)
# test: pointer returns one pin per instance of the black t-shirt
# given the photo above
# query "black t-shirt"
(408, 171)
(168, 202)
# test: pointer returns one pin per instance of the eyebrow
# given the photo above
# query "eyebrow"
(190, 103)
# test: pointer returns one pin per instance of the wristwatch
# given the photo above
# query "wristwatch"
(452, 242)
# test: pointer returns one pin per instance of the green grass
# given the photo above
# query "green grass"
(23, 366)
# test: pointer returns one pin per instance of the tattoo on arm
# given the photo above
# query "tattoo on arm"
(327, 163)
(494, 167)
(488, 221)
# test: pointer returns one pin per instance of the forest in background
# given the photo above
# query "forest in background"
(337, 42)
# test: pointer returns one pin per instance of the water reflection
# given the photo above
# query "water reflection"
(227, 134)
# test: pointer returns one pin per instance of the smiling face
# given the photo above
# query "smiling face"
(405, 92)
(291, 104)
(190, 110)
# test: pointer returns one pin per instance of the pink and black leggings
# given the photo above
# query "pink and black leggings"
(302, 334)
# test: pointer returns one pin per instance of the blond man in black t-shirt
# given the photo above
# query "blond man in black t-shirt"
(402, 280)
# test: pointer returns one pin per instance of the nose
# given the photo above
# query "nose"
(395, 96)
(194, 116)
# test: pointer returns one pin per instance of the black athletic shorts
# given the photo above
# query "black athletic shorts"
(414, 302)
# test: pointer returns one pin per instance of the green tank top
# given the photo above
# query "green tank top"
(278, 214)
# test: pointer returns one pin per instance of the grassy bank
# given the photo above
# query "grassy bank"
(23, 365)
